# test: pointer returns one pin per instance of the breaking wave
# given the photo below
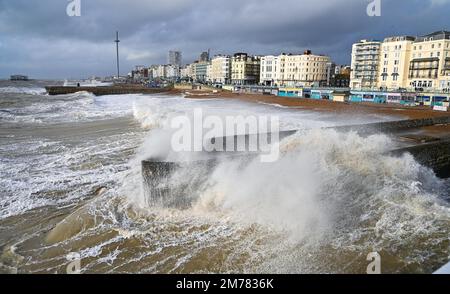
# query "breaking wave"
(23, 90)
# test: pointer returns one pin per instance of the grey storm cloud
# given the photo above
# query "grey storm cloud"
(38, 38)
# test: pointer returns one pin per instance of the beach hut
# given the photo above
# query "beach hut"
(340, 97)
(290, 92)
(394, 98)
(368, 97)
(356, 97)
(380, 98)
(322, 94)
(423, 100)
(439, 100)
(408, 99)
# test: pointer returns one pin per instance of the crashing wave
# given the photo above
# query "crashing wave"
(23, 90)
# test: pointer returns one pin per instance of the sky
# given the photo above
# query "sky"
(38, 38)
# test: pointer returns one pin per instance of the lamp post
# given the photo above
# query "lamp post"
(117, 41)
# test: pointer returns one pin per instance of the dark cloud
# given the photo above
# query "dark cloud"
(39, 39)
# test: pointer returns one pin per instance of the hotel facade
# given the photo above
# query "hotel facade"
(429, 67)
(220, 70)
(270, 71)
(294, 70)
(245, 69)
(403, 62)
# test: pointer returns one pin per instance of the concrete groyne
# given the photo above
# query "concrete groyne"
(101, 91)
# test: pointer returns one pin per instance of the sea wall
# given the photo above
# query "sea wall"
(433, 155)
(395, 126)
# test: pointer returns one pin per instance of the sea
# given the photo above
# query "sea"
(71, 189)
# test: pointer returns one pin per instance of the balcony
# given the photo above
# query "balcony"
(422, 76)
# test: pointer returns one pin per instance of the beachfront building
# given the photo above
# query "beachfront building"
(304, 70)
(395, 55)
(338, 76)
(365, 64)
(245, 69)
(220, 70)
(403, 63)
(200, 71)
(187, 72)
(172, 71)
(174, 58)
(429, 67)
(160, 72)
(184, 72)
(208, 72)
(342, 70)
(165, 71)
(270, 70)
(331, 73)
(140, 73)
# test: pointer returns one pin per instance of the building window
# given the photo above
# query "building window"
(395, 78)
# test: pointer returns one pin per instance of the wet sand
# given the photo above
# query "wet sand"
(323, 105)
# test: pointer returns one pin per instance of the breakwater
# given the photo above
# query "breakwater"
(101, 91)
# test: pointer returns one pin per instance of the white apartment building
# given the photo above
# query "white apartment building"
(172, 71)
(159, 71)
(365, 65)
(220, 70)
(188, 72)
(270, 70)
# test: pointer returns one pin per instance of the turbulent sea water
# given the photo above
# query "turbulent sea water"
(330, 200)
